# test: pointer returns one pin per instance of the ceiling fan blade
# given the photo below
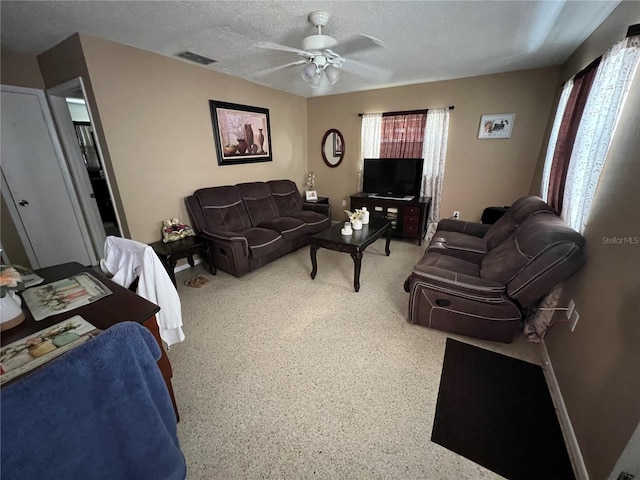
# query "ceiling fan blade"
(275, 69)
(284, 48)
(358, 44)
(365, 70)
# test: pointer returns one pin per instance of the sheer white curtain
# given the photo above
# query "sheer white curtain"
(601, 114)
(553, 138)
(597, 125)
(434, 152)
(539, 320)
(369, 141)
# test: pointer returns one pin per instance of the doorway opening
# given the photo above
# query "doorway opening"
(93, 163)
(77, 134)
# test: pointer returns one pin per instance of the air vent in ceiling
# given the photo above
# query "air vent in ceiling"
(194, 57)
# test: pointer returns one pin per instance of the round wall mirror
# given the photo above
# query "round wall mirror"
(332, 148)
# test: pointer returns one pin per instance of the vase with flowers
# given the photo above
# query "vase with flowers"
(311, 180)
(11, 313)
(355, 218)
(235, 127)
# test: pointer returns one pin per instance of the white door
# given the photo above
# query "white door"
(78, 171)
(36, 184)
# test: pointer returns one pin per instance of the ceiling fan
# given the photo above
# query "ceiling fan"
(322, 64)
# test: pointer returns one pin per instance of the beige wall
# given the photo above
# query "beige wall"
(20, 69)
(156, 121)
(479, 173)
(597, 364)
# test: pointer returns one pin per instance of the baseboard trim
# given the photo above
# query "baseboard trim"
(579, 468)
(196, 260)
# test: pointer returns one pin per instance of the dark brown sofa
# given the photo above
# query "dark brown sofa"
(250, 224)
(478, 280)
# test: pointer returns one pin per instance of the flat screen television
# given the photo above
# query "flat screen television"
(392, 177)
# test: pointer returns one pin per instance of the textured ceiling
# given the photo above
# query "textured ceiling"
(425, 40)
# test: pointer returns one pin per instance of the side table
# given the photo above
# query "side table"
(324, 200)
(170, 253)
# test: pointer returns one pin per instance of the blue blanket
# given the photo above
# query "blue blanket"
(100, 411)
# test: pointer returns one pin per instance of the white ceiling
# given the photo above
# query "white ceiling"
(425, 40)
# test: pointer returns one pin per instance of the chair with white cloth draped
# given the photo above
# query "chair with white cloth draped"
(127, 260)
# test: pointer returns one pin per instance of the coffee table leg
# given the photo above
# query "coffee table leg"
(386, 245)
(314, 262)
(357, 262)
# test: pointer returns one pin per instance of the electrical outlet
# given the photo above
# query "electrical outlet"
(456, 214)
(344, 203)
(570, 308)
(575, 316)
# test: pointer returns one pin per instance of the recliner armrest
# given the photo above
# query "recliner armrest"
(446, 248)
(233, 239)
(470, 228)
(457, 283)
(323, 208)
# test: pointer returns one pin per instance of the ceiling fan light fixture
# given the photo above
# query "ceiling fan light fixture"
(333, 74)
(320, 65)
(309, 72)
(317, 79)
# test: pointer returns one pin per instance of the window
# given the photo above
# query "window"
(402, 135)
(422, 134)
(576, 158)
(574, 107)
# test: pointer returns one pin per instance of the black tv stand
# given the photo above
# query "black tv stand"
(408, 217)
(391, 196)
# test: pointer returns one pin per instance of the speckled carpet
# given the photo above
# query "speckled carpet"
(284, 377)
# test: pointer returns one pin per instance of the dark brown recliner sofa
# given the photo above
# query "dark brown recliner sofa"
(250, 224)
(477, 280)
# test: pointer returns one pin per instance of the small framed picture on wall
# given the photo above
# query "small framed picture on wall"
(496, 126)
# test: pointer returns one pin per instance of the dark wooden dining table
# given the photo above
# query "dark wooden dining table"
(121, 306)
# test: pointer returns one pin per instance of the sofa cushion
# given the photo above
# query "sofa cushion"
(259, 202)
(289, 227)
(503, 262)
(447, 262)
(499, 232)
(222, 209)
(521, 209)
(286, 195)
(460, 226)
(316, 222)
(262, 241)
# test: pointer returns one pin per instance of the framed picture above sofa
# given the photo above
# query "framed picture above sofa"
(241, 133)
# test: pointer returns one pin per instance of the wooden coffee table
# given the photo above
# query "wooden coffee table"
(355, 244)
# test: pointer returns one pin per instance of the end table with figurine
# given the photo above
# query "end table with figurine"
(169, 253)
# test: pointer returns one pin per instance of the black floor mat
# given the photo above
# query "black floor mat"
(497, 411)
